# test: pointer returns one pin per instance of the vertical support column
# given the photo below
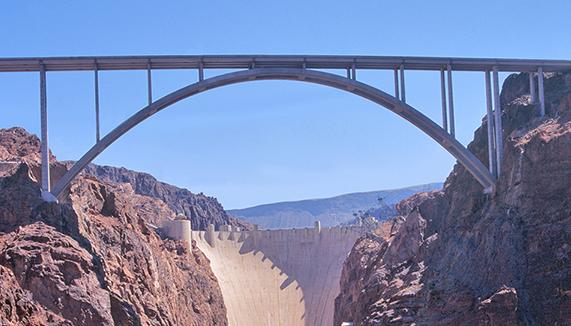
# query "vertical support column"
(200, 71)
(532, 90)
(149, 83)
(44, 149)
(97, 126)
(348, 73)
(443, 95)
(353, 72)
(490, 120)
(397, 93)
(541, 90)
(451, 102)
(209, 235)
(498, 122)
(402, 91)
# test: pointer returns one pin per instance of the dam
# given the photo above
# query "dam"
(275, 277)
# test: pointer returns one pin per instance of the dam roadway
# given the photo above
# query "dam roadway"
(276, 277)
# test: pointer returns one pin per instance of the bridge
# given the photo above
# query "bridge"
(311, 69)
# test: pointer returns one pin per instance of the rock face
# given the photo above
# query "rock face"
(95, 258)
(460, 257)
(201, 210)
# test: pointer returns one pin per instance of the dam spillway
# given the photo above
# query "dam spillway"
(277, 277)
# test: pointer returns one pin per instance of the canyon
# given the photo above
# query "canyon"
(105, 254)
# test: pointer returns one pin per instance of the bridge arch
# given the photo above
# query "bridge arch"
(422, 122)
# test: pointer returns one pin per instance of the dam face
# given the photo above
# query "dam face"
(278, 277)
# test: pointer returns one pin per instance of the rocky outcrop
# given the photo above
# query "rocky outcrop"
(96, 258)
(460, 256)
(200, 209)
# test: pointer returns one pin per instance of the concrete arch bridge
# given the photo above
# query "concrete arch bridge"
(304, 69)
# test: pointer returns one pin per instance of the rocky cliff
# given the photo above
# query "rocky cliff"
(96, 258)
(201, 210)
(461, 257)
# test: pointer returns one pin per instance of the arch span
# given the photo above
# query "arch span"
(455, 148)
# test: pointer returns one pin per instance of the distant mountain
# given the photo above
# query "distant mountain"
(330, 211)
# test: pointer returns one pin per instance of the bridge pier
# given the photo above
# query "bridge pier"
(498, 122)
(540, 79)
(490, 121)
(44, 147)
(402, 91)
(451, 102)
(532, 90)
(149, 83)
(443, 96)
(396, 78)
(97, 126)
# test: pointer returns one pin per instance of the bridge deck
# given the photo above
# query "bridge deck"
(276, 61)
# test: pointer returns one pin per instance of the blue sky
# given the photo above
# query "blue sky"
(266, 141)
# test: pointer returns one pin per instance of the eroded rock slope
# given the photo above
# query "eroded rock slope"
(461, 257)
(96, 257)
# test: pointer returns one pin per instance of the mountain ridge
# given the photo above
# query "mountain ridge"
(330, 210)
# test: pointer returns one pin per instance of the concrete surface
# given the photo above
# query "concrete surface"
(278, 277)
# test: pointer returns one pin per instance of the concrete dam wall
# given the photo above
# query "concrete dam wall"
(276, 277)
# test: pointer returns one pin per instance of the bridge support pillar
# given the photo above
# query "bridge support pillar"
(443, 96)
(97, 127)
(451, 102)
(353, 72)
(149, 84)
(200, 71)
(402, 87)
(396, 77)
(532, 90)
(541, 89)
(490, 121)
(498, 122)
(45, 149)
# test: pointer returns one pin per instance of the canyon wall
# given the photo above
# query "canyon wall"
(461, 257)
(200, 209)
(95, 258)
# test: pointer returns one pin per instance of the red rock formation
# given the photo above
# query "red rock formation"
(463, 257)
(96, 258)
(200, 209)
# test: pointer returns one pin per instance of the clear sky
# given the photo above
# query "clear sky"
(266, 141)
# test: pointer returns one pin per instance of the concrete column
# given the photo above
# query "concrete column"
(396, 75)
(317, 226)
(402, 91)
(443, 96)
(490, 121)
(353, 72)
(451, 102)
(498, 122)
(149, 84)
(178, 230)
(97, 126)
(348, 73)
(532, 90)
(44, 147)
(210, 237)
(200, 71)
(541, 90)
